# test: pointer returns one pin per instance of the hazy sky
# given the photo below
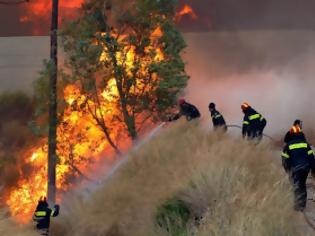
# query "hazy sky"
(33, 18)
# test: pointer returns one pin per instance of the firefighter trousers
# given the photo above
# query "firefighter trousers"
(43, 232)
(298, 179)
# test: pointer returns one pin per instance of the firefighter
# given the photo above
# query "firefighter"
(298, 125)
(42, 216)
(217, 118)
(297, 160)
(253, 124)
(186, 109)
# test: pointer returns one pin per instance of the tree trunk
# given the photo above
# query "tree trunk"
(129, 120)
(52, 137)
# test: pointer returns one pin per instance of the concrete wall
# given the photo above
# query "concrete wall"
(20, 61)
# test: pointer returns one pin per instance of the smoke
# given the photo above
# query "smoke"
(272, 70)
(10, 228)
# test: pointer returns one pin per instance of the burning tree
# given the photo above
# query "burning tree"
(123, 76)
(136, 61)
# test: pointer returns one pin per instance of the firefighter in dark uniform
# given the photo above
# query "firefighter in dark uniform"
(253, 123)
(298, 125)
(297, 160)
(42, 216)
(186, 109)
(217, 118)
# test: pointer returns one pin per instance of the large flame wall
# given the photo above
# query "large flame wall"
(81, 140)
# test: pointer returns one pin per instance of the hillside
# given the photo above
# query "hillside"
(184, 174)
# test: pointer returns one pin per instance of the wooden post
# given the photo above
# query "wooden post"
(52, 136)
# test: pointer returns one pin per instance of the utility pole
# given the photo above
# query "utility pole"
(52, 136)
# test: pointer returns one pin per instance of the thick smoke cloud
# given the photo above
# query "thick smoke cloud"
(272, 70)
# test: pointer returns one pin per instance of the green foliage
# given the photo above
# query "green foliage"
(15, 106)
(16, 110)
(41, 90)
(98, 52)
(173, 217)
(39, 123)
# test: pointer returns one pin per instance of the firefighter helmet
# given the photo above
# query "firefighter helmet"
(211, 105)
(181, 101)
(295, 130)
(245, 106)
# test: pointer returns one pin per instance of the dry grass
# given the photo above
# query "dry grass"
(238, 188)
(9, 228)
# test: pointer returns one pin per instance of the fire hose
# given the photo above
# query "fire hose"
(123, 161)
(151, 135)
(239, 127)
(126, 158)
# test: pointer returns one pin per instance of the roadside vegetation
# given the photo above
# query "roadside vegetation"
(188, 182)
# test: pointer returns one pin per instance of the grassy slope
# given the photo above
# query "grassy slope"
(239, 188)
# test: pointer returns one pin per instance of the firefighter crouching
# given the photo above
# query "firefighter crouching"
(186, 109)
(42, 216)
(297, 160)
(217, 118)
(253, 123)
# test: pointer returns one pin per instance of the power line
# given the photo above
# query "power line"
(14, 3)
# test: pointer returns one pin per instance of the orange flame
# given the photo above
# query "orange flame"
(80, 139)
(41, 8)
(37, 11)
(186, 10)
(157, 33)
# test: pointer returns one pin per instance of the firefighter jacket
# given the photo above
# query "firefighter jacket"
(253, 122)
(217, 119)
(288, 137)
(42, 216)
(188, 110)
(298, 155)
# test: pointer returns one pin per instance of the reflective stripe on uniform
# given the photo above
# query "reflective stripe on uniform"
(254, 117)
(35, 218)
(246, 123)
(285, 155)
(297, 146)
(310, 152)
(217, 116)
(40, 213)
